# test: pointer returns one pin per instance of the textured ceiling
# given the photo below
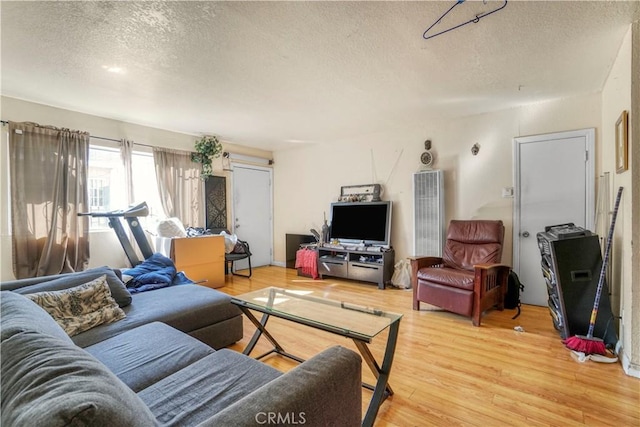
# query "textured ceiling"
(273, 74)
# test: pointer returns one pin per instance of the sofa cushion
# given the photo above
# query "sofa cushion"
(20, 314)
(326, 390)
(145, 355)
(119, 291)
(185, 307)
(48, 382)
(206, 387)
(80, 308)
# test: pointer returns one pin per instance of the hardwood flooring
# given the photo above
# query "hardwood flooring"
(448, 372)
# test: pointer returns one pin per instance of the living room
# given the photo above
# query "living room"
(308, 177)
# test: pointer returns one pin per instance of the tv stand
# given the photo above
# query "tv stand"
(357, 264)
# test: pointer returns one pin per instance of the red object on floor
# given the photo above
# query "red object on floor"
(307, 262)
(586, 345)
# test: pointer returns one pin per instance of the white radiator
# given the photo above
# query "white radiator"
(428, 213)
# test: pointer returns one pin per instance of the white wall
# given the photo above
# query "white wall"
(616, 97)
(308, 179)
(104, 246)
(634, 350)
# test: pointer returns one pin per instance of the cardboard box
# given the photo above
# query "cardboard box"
(201, 258)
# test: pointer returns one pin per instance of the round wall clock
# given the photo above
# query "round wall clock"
(426, 158)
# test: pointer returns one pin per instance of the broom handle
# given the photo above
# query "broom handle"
(607, 251)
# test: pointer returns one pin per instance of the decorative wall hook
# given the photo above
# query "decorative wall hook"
(474, 20)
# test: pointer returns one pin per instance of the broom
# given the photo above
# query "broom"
(589, 344)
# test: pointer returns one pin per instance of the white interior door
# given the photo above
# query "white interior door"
(252, 212)
(554, 178)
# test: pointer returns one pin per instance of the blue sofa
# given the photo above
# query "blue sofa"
(145, 372)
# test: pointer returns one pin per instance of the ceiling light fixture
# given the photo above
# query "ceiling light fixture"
(113, 69)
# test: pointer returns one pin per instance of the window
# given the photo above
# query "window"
(145, 187)
(98, 198)
(107, 188)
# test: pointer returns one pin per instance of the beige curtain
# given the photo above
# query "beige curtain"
(180, 187)
(126, 154)
(48, 185)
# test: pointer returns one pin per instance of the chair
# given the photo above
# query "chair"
(232, 257)
(468, 279)
(240, 252)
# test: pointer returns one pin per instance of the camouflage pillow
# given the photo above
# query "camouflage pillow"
(82, 307)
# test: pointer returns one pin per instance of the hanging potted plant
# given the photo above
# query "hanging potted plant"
(207, 149)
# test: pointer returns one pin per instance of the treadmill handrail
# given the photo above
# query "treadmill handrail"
(138, 210)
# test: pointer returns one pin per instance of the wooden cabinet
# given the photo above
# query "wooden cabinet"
(201, 258)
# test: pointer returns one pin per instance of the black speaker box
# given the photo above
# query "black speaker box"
(576, 263)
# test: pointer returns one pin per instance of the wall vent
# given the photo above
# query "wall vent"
(428, 213)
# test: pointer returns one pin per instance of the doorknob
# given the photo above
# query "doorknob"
(525, 234)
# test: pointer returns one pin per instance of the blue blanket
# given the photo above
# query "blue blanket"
(155, 272)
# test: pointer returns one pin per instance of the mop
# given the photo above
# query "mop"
(589, 344)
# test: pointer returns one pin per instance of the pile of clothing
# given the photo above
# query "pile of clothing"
(307, 262)
(155, 272)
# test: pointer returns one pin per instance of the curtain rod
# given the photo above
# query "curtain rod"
(119, 140)
(6, 122)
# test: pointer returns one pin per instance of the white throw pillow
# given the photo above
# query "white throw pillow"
(171, 227)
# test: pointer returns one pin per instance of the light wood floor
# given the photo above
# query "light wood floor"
(447, 372)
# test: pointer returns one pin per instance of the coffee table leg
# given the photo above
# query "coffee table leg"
(373, 365)
(261, 329)
(382, 388)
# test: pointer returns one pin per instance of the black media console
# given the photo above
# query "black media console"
(357, 264)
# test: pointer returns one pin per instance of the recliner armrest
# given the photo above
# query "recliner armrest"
(421, 262)
(489, 277)
(326, 390)
(426, 261)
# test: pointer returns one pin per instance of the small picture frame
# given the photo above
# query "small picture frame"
(622, 142)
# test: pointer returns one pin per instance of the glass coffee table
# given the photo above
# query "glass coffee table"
(357, 322)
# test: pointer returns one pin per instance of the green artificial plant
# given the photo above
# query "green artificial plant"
(207, 149)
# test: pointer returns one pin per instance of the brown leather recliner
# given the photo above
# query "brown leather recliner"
(469, 278)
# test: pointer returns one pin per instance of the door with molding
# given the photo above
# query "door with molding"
(252, 212)
(554, 176)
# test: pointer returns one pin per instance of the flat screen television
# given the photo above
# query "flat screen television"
(366, 223)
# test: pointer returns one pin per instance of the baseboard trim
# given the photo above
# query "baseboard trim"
(631, 369)
(279, 263)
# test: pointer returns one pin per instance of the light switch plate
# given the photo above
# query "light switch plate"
(507, 192)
